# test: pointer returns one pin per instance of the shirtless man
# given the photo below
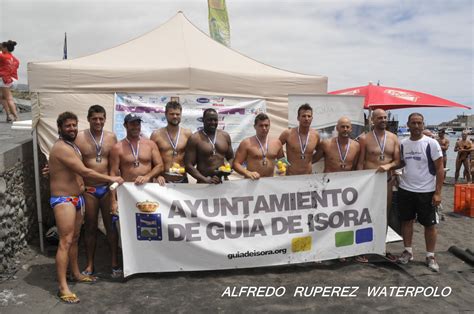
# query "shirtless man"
(463, 147)
(444, 143)
(137, 159)
(301, 142)
(66, 172)
(171, 141)
(380, 149)
(206, 150)
(95, 145)
(258, 151)
(340, 152)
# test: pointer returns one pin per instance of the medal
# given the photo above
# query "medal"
(174, 144)
(98, 146)
(303, 147)
(213, 143)
(264, 152)
(381, 146)
(135, 153)
(341, 157)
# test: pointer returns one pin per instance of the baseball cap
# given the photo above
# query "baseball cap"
(132, 117)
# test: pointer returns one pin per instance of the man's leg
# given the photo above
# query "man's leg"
(112, 234)
(73, 251)
(468, 169)
(407, 232)
(65, 216)
(90, 234)
(430, 238)
(458, 167)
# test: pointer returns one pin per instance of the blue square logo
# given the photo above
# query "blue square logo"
(364, 235)
(149, 227)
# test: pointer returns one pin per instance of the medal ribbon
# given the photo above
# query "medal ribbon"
(264, 152)
(382, 147)
(175, 144)
(343, 158)
(303, 147)
(74, 146)
(98, 146)
(134, 153)
(213, 143)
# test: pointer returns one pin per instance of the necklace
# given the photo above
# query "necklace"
(382, 146)
(341, 157)
(98, 146)
(174, 145)
(74, 146)
(303, 147)
(264, 152)
(135, 153)
(213, 143)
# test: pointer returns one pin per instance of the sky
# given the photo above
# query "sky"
(423, 45)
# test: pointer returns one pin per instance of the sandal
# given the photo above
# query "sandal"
(87, 273)
(86, 279)
(361, 259)
(391, 257)
(70, 298)
(117, 272)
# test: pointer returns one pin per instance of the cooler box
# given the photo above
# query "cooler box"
(464, 199)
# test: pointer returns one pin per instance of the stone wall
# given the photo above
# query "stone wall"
(18, 215)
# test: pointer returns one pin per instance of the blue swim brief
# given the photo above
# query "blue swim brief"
(77, 201)
(97, 191)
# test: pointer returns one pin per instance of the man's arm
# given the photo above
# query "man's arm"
(190, 160)
(240, 157)
(229, 154)
(439, 181)
(69, 158)
(284, 136)
(157, 163)
(396, 158)
(362, 144)
(319, 152)
(114, 170)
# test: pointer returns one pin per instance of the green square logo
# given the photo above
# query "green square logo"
(344, 238)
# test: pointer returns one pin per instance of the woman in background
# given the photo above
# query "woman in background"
(8, 75)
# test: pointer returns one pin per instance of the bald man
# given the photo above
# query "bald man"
(341, 153)
(380, 149)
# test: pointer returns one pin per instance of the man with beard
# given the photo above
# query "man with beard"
(340, 152)
(95, 144)
(380, 150)
(420, 187)
(137, 159)
(463, 147)
(259, 151)
(301, 142)
(207, 149)
(444, 144)
(171, 141)
(66, 172)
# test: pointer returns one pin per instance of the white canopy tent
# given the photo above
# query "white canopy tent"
(176, 58)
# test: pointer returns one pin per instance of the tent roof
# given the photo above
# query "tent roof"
(174, 56)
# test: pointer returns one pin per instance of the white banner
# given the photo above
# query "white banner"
(236, 115)
(243, 223)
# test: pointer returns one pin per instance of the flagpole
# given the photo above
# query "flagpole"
(65, 47)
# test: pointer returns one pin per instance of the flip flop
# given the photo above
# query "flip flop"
(361, 259)
(391, 257)
(86, 279)
(87, 273)
(70, 298)
(117, 272)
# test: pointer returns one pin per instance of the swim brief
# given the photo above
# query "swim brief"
(77, 201)
(97, 191)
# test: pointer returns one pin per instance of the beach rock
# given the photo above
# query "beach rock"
(3, 186)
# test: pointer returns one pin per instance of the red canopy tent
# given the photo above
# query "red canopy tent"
(389, 98)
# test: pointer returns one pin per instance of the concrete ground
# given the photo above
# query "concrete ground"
(32, 289)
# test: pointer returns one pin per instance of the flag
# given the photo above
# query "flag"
(65, 47)
(219, 22)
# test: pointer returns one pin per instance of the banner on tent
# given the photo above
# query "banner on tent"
(244, 223)
(327, 109)
(236, 115)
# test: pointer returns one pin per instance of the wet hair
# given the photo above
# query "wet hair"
(173, 105)
(65, 116)
(95, 109)
(260, 117)
(304, 107)
(208, 110)
(414, 114)
(10, 45)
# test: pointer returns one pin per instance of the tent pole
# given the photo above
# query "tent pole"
(37, 187)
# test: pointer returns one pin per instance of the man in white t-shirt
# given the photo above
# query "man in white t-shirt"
(420, 188)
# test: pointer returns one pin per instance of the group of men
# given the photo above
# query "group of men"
(93, 159)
